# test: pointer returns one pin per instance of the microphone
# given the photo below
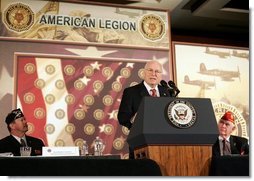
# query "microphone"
(172, 84)
(164, 84)
(170, 90)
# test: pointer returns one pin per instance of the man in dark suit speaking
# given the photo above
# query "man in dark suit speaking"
(132, 96)
(226, 143)
(17, 126)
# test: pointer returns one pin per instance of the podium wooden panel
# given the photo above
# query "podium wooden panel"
(179, 151)
(178, 160)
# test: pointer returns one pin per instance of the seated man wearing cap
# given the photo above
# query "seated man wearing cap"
(17, 126)
(226, 143)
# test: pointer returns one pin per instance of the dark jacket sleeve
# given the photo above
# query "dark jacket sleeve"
(10, 144)
(131, 99)
(239, 145)
(126, 112)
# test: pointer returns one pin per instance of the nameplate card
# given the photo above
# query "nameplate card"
(60, 151)
(6, 154)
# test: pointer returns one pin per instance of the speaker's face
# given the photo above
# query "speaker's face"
(153, 73)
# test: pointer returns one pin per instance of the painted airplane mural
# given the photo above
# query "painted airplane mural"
(201, 83)
(224, 74)
(240, 55)
(218, 53)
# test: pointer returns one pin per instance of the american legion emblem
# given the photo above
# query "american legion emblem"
(152, 27)
(18, 17)
(181, 113)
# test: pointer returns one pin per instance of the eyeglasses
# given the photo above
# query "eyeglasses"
(224, 122)
(155, 71)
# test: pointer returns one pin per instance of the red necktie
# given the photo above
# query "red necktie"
(153, 92)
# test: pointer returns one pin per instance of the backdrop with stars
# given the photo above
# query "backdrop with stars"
(68, 100)
(68, 97)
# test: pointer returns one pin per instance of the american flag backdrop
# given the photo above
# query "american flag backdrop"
(68, 100)
(66, 96)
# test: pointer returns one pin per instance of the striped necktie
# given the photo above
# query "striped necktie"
(153, 91)
(22, 141)
(226, 147)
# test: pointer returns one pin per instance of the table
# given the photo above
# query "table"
(77, 166)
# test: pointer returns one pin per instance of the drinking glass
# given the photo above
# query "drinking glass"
(25, 151)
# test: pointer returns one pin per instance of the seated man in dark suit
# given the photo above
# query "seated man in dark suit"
(226, 143)
(17, 126)
(132, 96)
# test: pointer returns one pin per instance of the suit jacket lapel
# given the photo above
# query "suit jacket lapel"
(143, 91)
(162, 92)
(28, 141)
(12, 139)
(233, 145)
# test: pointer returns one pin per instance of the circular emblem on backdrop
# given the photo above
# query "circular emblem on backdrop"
(88, 71)
(125, 72)
(79, 114)
(59, 114)
(107, 72)
(89, 129)
(49, 128)
(69, 70)
(141, 73)
(30, 128)
(79, 85)
(50, 69)
(18, 17)
(78, 142)
(108, 130)
(59, 84)
(98, 85)
(181, 113)
(152, 27)
(59, 142)
(98, 114)
(118, 144)
(70, 99)
(70, 128)
(117, 86)
(39, 113)
(50, 98)
(107, 100)
(39, 83)
(241, 127)
(115, 115)
(29, 98)
(88, 100)
(125, 130)
(29, 68)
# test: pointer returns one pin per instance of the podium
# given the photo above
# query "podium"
(179, 150)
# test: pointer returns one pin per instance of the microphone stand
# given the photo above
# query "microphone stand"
(171, 92)
(173, 87)
(177, 92)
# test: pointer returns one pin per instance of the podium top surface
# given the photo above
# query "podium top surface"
(157, 118)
